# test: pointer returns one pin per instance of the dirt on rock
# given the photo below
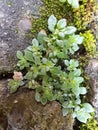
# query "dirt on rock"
(20, 111)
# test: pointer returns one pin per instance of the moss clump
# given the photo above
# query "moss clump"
(89, 42)
(83, 16)
(90, 125)
(77, 17)
(51, 7)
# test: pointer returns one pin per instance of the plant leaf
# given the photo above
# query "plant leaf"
(37, 97)
(69, 30)
(43, 100)
(35, 42)
(77, 72)
(74, 3)
(52, 23)
(41, 37)
(61, 24)
(88, 108)
(28, 55)
(83, 90)
(65, 111)
(19, 55)
(82, 116)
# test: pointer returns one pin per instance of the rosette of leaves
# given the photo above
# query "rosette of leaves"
(52, 73)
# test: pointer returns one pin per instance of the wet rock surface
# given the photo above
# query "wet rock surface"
(20, 111)
(15, 22)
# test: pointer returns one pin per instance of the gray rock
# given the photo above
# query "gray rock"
(24, 25)
(20, 111)
(15, 22)
(92, 71)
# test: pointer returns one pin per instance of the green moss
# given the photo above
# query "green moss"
(90, 125)
(77, 17)
(51, 7)
(83, 16)
(89, 42)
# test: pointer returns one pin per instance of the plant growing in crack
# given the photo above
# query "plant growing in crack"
(52, 72)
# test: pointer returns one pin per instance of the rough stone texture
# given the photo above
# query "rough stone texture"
(92, 68)
(92, 71)
(20, 111)
(94, 24)
(15, 22)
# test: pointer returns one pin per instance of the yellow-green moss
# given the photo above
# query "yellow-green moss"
(89, 42)
(83, 16)
(90, 125)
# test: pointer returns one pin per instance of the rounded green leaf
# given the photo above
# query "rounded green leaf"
(42, 36)
(65, 111)
(78, 39)
(28, 55)
(43, 100)
(19, 55)
(66, 62)
(74, 115)
(79, 79)
(69, 30)
(61, 34)
(88, 108)
(74, 3)
(37, 97)
(61, 24)
(78, 101)
(35, 42)
(77, 108)
(83, 90)
(52, 22)
(82, 116)
(77, 72)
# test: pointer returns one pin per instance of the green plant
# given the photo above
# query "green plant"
(52, 72)
(16, 82)
(74, 3)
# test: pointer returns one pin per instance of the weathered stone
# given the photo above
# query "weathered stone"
(92, 71)
(25, 25)
(20, 111)
(94, 24)
(15, 22)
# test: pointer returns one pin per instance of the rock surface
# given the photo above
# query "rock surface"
(15, 22)
(92, 68)
(20, 111)
(92, 71)
(94, 24)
